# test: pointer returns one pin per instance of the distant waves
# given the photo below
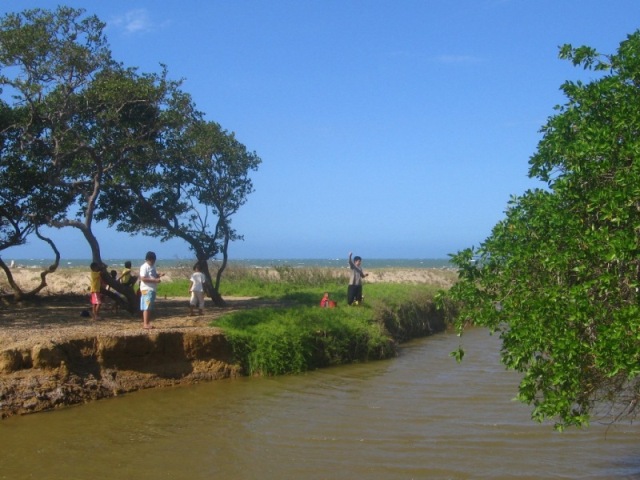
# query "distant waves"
(253, 262)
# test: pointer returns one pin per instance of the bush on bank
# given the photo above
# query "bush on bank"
(275, 341)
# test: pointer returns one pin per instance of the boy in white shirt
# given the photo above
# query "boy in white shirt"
(149, 280)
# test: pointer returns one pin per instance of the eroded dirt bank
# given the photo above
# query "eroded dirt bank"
(52, 356)
(88, 368)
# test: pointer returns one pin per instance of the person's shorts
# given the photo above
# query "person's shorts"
(197, 299)
(147, 299)
(96, 298)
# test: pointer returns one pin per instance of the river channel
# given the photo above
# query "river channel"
(418, 416)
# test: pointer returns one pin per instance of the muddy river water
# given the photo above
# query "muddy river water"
(418, 416)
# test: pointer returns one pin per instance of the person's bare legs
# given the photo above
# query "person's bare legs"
(146, 319)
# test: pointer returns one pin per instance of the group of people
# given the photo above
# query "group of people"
(148, 282)
(149, 279)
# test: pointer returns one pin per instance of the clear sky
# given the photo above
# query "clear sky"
(390, 128)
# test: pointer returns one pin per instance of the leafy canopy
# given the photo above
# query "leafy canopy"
(84, 139)
(559, 276)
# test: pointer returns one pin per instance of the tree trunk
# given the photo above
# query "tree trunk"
(210, 289)
(130, 301)
(18, 295)
(225, 259)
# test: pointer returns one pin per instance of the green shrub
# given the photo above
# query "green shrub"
(273, 341)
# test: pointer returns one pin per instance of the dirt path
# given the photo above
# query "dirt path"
(59, 318)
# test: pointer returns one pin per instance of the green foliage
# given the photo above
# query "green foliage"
(282, 281)
(274, 341)
(46, 60)
(559, 276)
(458, 354)
(85, 139)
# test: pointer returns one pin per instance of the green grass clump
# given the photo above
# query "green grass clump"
(304, 336)
(272, 341)
(175, 288)
(279, 281)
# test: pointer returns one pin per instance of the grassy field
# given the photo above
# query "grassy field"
(299, 335)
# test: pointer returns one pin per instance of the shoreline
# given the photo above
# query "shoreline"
(51, 356)
(253, 263)
(57, 311)
(63, 359)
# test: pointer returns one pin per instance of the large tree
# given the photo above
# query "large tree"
(202, 181)
(43, 55)
(27, 198)
(85, 125)
(559, 277)
(85, 139)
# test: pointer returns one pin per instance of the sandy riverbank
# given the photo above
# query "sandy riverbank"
(51, 355)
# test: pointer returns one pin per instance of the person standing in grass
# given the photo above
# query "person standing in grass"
(197, 290)
(354, 291)
(149, 280)
(95, 288)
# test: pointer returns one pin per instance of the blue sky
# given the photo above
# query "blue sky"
(390, 128)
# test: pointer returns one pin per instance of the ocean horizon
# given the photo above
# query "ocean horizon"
(372, 263)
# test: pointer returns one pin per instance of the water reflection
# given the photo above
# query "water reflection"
(418, 416)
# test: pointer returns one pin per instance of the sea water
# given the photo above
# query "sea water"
(370, 263)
